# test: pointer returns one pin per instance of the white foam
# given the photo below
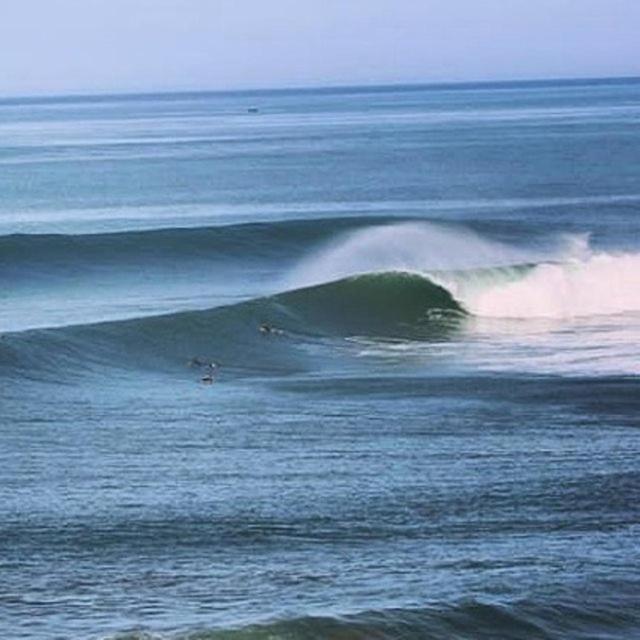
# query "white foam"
(601, 284)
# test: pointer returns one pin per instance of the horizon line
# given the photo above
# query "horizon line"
(319, 88)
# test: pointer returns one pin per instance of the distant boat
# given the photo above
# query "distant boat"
(253, 110)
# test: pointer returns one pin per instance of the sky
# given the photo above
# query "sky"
(101, 46)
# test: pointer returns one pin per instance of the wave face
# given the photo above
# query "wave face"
(378, 303)
(386, 305)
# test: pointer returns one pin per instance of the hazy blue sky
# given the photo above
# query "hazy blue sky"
(138, 45)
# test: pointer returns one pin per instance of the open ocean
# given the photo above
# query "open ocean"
(437, 435)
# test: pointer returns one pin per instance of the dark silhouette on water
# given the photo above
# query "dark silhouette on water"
(209, 378)
(211, 367)
(266, 329)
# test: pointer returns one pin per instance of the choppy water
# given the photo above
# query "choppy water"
(439, 437)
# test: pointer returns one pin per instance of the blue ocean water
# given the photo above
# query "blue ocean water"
(423, 304)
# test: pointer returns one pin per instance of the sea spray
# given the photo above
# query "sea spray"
(415, 247)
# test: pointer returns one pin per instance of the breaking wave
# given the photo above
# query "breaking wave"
(408, 281)
(489, 278)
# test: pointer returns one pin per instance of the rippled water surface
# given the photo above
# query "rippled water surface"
(423, 307)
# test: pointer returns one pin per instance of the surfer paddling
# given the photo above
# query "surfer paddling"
(266, 330)
(209, 377)
(211, 369)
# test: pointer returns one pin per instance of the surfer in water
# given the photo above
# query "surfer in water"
(266, 329)
(211, 369)
(209, 377)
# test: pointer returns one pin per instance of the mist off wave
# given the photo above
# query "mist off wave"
(563, 280)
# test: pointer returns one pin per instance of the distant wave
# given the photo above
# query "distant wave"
(121, 218)
(49, 253)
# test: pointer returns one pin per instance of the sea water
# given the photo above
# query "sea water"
(423, 304)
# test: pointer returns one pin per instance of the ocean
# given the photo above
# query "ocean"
(352, 363)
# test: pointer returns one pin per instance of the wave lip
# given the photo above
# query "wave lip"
(387, 303)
